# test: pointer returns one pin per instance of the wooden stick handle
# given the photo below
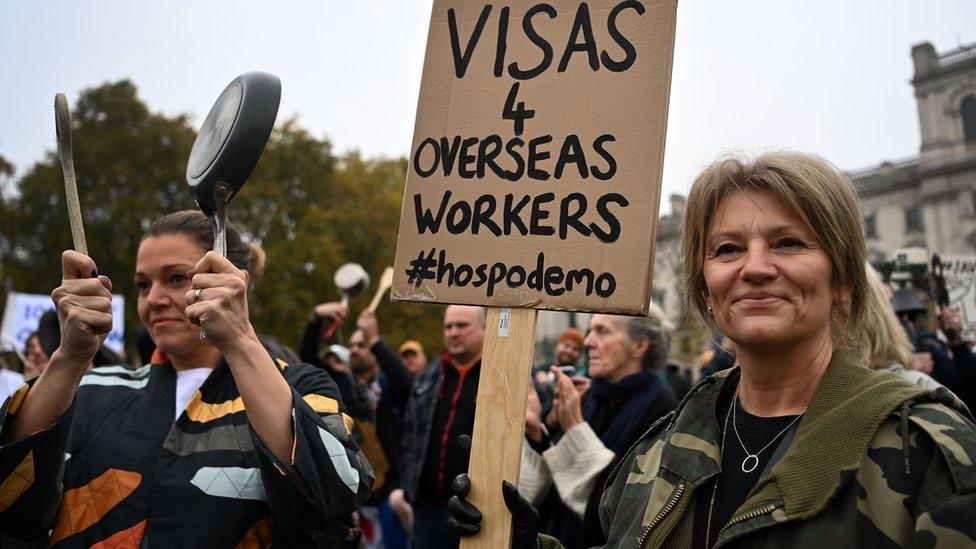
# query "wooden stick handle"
(386, 280)
(62, 120)
(499, 421)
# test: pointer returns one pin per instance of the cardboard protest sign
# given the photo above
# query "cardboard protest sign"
(960, 278)
(534, 174)
(23, 311)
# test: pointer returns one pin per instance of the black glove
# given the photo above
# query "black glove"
(466, 518)
(525, 518)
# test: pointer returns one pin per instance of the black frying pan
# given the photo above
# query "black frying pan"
(229, 144)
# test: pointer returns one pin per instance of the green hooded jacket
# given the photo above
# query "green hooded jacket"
(875, 462)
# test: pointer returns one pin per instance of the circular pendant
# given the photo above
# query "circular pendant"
(750, 463)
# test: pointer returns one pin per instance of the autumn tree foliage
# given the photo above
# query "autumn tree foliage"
(309, 209)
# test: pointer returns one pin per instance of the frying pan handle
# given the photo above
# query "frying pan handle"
(220, 233)
(222, 194)
(330, 330)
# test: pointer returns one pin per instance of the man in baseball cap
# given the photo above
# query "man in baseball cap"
(413, 356)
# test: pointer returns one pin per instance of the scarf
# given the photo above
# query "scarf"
(639, 392)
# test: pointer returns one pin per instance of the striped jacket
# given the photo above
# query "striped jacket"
(117, 471)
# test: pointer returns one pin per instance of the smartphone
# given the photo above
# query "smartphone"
(568, 370)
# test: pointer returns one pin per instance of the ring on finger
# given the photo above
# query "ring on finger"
(198, 295)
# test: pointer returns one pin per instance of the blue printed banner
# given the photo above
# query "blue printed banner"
(23, 311)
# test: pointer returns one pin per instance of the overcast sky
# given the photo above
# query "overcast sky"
(830, 77)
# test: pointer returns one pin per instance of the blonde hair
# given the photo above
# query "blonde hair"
(883, 339)
(820, 195)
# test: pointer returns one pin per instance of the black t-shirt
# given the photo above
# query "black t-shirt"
(734, 483)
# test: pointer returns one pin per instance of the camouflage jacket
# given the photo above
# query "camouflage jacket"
(875, 462)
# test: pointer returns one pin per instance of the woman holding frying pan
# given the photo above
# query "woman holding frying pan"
(214, 444)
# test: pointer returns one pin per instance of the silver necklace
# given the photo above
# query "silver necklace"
(752, 460)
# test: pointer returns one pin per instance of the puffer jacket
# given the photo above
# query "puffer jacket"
(875, 462)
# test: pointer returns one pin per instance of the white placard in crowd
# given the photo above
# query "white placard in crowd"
(960, 275)
(23, 311)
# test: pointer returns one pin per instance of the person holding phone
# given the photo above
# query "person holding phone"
(569, 347)
(594, 422)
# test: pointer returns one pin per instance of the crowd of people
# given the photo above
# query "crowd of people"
(812, 418)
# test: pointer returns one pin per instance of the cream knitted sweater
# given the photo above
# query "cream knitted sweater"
(573, 465)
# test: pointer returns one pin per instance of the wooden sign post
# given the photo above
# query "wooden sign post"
(534, 182)
(496, 443)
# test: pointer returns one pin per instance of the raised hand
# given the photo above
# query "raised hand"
(332, 310)
(370, 326)
(569, 412)
(218, 301)
(950, 322)
(84, 307)
(582, 384)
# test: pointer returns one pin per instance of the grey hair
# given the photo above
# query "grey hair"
(657, 331)
(480, 313)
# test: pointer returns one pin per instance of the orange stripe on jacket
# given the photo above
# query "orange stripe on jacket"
(84, 506)
(258, 536)
(18, 482)
(326, 405)
(322, 404)
(130, 538)
(17, 399)
(202, 412)
(158, 357)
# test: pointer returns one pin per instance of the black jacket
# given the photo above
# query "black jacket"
(378, 422)
(117, 468)
(440, 408)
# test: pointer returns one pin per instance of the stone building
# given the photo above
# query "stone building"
(929, 200)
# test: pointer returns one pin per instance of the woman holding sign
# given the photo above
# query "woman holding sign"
(799, 445)
(213, 444)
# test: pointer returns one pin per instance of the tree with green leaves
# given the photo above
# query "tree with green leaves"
(309, 209)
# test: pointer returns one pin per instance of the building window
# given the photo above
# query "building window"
(913, 219)
(969, 118)
(870, 227)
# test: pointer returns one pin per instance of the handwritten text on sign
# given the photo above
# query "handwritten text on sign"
(960, 275)
(535, 169)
